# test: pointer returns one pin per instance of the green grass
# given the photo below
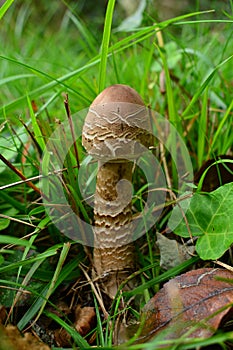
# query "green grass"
(64, 53)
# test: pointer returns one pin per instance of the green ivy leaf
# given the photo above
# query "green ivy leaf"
(210, 217)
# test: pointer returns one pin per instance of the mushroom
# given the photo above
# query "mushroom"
(115, 132)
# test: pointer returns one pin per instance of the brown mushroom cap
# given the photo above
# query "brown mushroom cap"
(118, 93)
(115, 119)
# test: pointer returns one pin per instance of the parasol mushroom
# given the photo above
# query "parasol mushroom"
(115, 132)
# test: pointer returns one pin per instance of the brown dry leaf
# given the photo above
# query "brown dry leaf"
(84, 322)
(84, 319)
(11, 339)
(62, 337)
(193, 303)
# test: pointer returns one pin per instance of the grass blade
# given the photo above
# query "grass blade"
(37, 132)
(105, 44)
(57, 272)
(220, 127)
(66, 271)
(63, 81)
(79, 340)
(4, 239)
(13, 202)
(204, 85)
(173, 117)
(166, 275)
(83, 29)
(29, 261)
(5, 7)
(202, 126)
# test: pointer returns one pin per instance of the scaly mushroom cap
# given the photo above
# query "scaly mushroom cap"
(115, 118)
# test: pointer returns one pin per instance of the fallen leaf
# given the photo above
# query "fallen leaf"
(11, 339)
(172, 253)
(84, 319)
(192, 304)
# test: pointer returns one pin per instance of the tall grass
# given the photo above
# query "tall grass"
(187, 79)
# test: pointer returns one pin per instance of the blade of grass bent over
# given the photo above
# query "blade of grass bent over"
(220, 161)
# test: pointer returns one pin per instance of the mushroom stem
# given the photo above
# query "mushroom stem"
(115, 132)
(113, 255)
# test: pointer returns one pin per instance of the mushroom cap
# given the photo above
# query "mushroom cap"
(118, 93)
(117, 124)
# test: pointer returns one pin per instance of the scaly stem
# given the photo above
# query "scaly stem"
(114, 252)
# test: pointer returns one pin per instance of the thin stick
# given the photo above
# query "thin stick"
(226, 266)
(95, 292)
(66, 103)
(31, 135)
(18, 172)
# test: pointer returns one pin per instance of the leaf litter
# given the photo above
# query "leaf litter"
(191, 305)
